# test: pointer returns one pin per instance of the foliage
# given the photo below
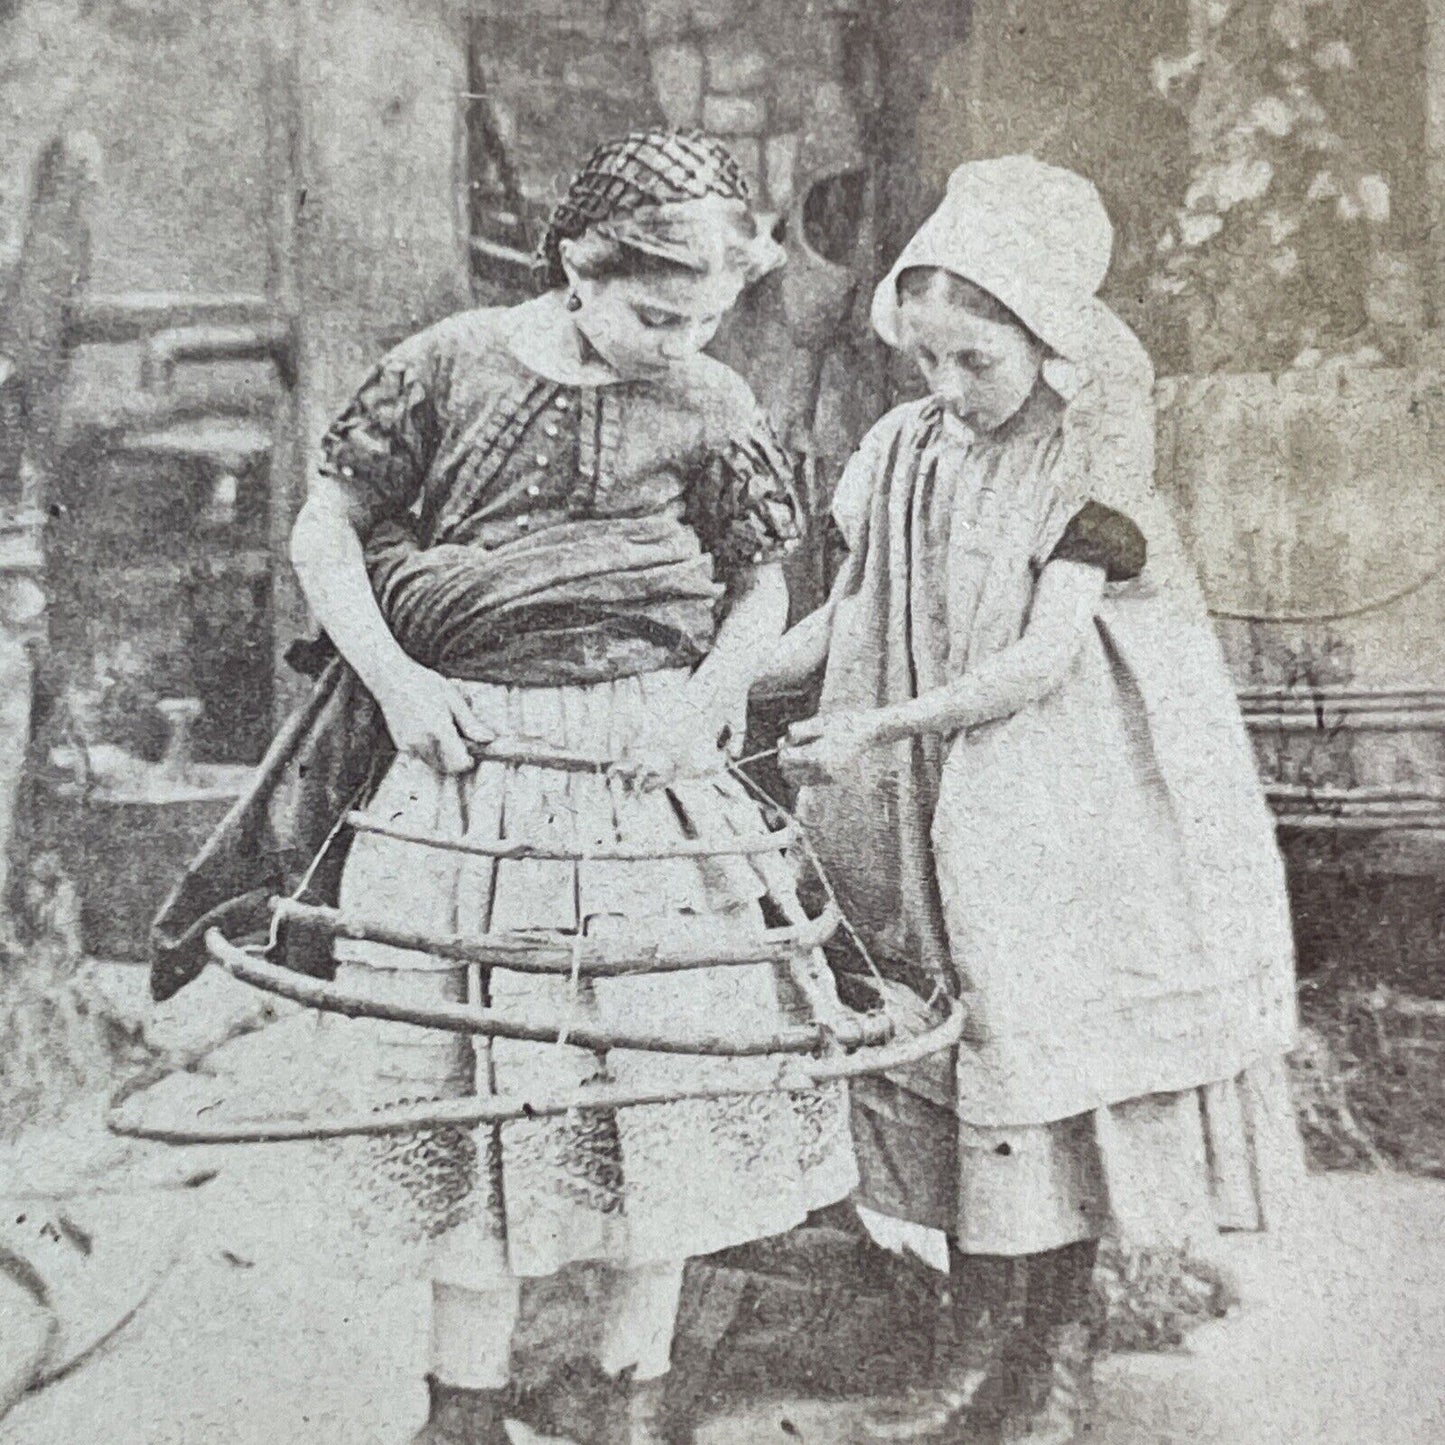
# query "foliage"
(1370, 1078)
(1283, 230)
(1148, 1300)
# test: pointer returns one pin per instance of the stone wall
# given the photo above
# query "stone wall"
(749, 73)
(791, 90)
(562, 76)
(746, 70)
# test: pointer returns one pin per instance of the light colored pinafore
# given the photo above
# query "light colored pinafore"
(1097, 874)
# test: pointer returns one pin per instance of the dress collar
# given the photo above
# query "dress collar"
(540, 334)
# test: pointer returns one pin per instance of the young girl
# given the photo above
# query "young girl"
(1031, 784)
(562, 522)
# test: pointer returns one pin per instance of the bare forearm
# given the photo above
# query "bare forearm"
(756, 615)
(1006, 683)
(1027, 672)
(800, 653)
(327, 554)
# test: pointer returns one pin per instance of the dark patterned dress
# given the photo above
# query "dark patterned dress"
(563, 551)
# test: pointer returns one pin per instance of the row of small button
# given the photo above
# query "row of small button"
(552, 431)
(524, 521)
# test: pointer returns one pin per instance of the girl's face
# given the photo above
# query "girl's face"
(642, 326)
(978, 362)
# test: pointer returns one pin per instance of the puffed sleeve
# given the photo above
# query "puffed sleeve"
(1101, 537)
(383, 442)
(746, 506)
(867, 470)
(854, 490)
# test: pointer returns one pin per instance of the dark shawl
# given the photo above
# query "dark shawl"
(325, 759)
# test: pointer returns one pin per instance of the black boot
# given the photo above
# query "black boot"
(463, 1417)
(993, 1288)
(1060, 1350)
(1000, 1399)
(585, 1405)
(983, 1287)
(1038, 1383)
(1059, 1390)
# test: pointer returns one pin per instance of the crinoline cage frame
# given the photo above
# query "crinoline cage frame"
(806, 1055)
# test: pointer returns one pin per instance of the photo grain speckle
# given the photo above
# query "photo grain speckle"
(722, 721)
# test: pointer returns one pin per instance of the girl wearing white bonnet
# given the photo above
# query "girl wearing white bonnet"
(1031, 785)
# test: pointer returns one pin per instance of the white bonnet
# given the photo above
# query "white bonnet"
(1034, 236)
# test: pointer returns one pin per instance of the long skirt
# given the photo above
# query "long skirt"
(1123, 931)
(1161, 1171)
(630, 1186)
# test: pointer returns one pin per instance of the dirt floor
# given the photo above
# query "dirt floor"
(259, 1334)
(252, 1341)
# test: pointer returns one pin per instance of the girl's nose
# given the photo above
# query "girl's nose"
(951, 384)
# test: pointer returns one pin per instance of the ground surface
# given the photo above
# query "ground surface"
(251, 1342)
(1341, 1340)
(260, 1336)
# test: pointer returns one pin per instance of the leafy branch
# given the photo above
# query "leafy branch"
(1272, 251)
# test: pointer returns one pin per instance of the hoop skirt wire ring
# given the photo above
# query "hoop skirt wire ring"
(807, 1055)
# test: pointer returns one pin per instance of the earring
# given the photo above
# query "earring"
(574, 301)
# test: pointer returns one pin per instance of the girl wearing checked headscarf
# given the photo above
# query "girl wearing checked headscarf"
(561, 521)
(1030, 782)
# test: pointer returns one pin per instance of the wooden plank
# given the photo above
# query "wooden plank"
(281, 99)
(52, 270)
(1435, 152)
(128, 316)
(231, 442)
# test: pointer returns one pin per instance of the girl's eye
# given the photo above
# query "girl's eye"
(927, 357)
(655, 320)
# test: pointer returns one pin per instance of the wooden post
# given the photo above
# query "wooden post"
(367, 235)
(51, 272)
(288, 465)
(1435, 155)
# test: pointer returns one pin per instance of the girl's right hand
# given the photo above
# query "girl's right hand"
(827, 748)
(428, 716)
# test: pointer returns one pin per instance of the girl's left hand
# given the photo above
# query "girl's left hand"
(823, 749)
